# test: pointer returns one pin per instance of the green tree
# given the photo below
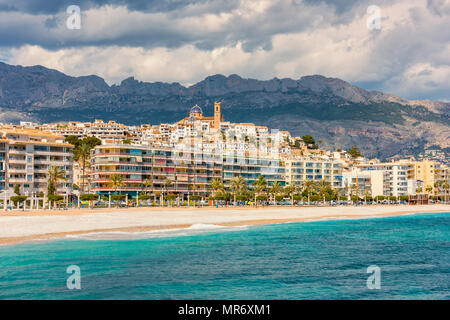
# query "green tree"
(237, 185)
(308, 140)
(147, 183)
(116, 181)
(324, 188)
(17, 189)
(445, 186)
(275, 189)
(84, 152)
(260, 186)
(354, 152)
(217, 186)
(290, 191)
(56, 174)
(309, 186)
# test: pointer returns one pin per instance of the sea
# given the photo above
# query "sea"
(403, 257)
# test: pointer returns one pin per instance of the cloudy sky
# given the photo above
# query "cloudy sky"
(185, 40)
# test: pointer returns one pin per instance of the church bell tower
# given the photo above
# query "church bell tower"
(217, 115)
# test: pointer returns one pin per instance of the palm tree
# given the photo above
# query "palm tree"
(428, 189)
(116, 181)
(309, 185)
(323, 186)
(437, 187)
(237, 184)
(55, 175)
(167, 184)
(147, 183)
(291, 190)
(260, 185)
(84, 152)
(366, 193)
(445, 186)
(217, 185)
(275, 189)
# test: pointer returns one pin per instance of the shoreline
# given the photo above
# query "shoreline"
(31, 226)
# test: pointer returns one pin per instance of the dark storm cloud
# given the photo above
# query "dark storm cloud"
(416, 43)
(165, 25)
(56, 6)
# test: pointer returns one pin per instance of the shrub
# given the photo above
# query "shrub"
(171, 196)
(88, 197)
(18, 199)
(118, 197)
(144, 197)
(219, 196)
(55, 197)
(298, 197)
(261, 197)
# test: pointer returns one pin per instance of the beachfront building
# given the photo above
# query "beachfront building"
(398, 177)
(146, 168)
(363, 182)
(313, 168)
(27, 154)
(251, 166)
(433, 174)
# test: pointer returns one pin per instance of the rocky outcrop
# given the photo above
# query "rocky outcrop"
(330, 109)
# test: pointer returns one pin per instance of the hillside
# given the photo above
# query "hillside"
(330, 109)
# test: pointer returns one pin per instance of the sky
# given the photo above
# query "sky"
(396, 46)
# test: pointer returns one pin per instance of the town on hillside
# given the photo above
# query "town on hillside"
(197, 160)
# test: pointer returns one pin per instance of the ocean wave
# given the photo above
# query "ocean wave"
(175, 232)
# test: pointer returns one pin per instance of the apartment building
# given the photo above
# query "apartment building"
(301, 169)
(398, 177)
(98, 128)
(189, 172)
(27, 154)
(431, 172)
(363, 183)
(250, 166)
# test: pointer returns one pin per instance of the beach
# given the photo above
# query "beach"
(18, 227)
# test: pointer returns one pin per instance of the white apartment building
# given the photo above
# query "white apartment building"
(398, 177)
(27, 154)
(301, 169)
(363, 182)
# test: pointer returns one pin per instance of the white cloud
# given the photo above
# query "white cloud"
(260, 40)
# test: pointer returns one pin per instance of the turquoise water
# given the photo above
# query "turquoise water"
(313, 260)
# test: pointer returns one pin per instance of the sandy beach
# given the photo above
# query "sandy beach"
(17, 227)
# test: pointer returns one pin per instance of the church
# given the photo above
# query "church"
(196, 114)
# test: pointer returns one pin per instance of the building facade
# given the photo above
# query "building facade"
(27, 155)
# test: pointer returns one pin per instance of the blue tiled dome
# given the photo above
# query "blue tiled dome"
(196, 109)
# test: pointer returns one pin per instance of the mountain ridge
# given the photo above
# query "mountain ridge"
(331, 109)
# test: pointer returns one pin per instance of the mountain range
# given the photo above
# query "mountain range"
(330, 109)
